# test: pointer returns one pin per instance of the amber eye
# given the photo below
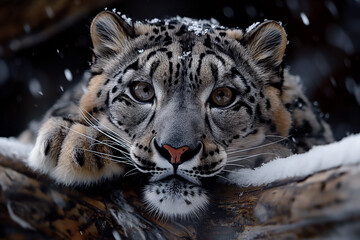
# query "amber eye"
(143, 91)
(222, 96)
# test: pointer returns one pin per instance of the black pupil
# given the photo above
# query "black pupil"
(221, 94)
(143, 91)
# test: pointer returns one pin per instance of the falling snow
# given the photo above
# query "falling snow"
(332, 8)
(27, 28)
(4, 72)
(333, 81)
(337, 36)
(353, 88)
(228, 12)
(251, 11)
(304, 18)
(15, 45)
(116, 235)
(35, 87)
(68, 75)
(49, 12)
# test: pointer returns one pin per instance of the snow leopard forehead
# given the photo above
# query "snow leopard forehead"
(182, 25)
(197, 26)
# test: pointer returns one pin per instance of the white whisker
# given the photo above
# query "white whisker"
(110, 142)
(237, 165)
(131, 172)
(113, 134)
(227, 179)
(251, 156)
(99, 154)
(127, 162)
(119, 143)
(106, 154)
(114, 160)
(230, 149)
(230, 171)
(256, 147)
(84, 135)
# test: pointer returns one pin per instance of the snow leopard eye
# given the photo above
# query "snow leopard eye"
(143, 91)
(222, 96)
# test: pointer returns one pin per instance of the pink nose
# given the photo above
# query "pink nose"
(176, 153)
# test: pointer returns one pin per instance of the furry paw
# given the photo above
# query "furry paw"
(74, 153)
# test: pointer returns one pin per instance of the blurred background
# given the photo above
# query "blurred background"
(45, 48)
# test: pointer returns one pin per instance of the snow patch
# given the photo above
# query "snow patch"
(153, 21)
(184, 55)
(123, 16)
(252, 26)
(13, 148)
(127, 19)
(199, 27)
(319, 158)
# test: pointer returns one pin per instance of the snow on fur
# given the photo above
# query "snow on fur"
(319, 158)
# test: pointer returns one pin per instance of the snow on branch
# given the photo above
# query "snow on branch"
(319, 158)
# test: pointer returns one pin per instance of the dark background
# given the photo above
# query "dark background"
(324, 51)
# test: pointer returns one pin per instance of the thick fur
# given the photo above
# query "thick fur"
(94, 134)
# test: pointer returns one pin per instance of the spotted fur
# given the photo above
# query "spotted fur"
(104, 131)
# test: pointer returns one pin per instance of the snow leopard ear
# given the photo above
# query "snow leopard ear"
(109, 33)
(267, 42)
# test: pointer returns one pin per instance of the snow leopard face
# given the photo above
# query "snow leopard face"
(180, 100)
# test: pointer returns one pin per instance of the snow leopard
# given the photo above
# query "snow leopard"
(177, 101)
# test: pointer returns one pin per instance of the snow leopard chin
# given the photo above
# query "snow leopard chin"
(175, 199)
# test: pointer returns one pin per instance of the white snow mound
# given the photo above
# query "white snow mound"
(13, 148)
(319, 158)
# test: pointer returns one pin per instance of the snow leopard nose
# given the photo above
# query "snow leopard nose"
(176, 153)
(177, 156)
